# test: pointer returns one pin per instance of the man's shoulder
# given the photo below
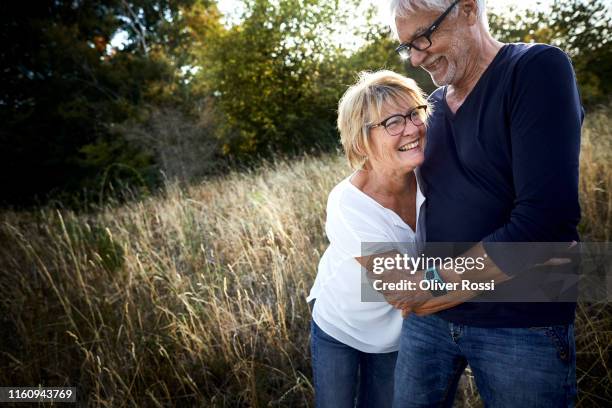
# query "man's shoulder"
(521, 49)
(524, 54)
(525, 64)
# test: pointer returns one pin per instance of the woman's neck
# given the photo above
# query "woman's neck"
(386, 183)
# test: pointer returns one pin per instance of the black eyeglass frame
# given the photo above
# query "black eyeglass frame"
(408, 45)
(407, 116)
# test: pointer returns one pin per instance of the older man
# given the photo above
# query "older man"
(501, 165)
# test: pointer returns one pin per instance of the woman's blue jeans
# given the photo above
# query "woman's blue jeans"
(346, 377)
(512, 367)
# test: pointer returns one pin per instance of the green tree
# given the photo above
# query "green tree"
(274, 78)
(582, 28)
(64, 86)
(379, 53)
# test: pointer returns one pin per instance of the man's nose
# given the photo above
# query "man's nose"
(417, 57)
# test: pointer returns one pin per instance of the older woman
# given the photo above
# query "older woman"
(354, 343)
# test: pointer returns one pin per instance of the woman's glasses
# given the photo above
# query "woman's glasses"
(395, 124)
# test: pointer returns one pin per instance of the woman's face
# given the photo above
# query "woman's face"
(403, 152)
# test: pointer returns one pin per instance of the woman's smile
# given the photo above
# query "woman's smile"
(409, 146)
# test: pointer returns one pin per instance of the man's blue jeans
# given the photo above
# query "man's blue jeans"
(512, 367)
(346, 377)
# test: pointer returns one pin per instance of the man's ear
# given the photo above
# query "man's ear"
(469, 10)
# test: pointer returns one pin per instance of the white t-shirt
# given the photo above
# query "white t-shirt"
(354, 217)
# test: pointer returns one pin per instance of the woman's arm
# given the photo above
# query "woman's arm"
(421, 301)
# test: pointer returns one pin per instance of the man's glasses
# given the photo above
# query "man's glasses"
(395, 125)
(423, 41)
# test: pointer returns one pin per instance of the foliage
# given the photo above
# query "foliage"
(582, 28)
(267, 73)
(379, 53)
(81, 116)
(167, 133)
(64, 85)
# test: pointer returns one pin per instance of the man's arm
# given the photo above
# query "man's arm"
(545, 119)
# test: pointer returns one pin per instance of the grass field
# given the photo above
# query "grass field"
(197, 297)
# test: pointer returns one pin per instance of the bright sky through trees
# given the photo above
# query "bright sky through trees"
(232, 9)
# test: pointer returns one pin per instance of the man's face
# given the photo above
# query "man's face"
(445, 60)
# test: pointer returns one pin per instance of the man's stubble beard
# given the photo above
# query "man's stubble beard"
(451, 64)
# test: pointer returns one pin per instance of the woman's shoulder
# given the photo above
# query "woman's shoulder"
(340, 191)
(346, 200)
(353, 218)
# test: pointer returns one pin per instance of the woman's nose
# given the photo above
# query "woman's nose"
(410, 128)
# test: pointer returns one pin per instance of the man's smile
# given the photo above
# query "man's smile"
(433, 65)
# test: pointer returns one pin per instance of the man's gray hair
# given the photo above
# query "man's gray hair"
(401, 8)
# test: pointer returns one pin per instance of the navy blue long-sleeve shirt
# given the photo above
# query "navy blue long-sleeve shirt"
(504, 168)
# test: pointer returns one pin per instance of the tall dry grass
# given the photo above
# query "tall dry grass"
(197, 298)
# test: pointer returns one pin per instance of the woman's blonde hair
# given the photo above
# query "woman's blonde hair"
(362, 105)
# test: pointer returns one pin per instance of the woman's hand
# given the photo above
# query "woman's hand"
(429, 307)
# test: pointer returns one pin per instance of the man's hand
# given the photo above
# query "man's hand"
(434, 304)
(410, 299)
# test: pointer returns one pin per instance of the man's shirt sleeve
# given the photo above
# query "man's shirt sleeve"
(545, 117)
